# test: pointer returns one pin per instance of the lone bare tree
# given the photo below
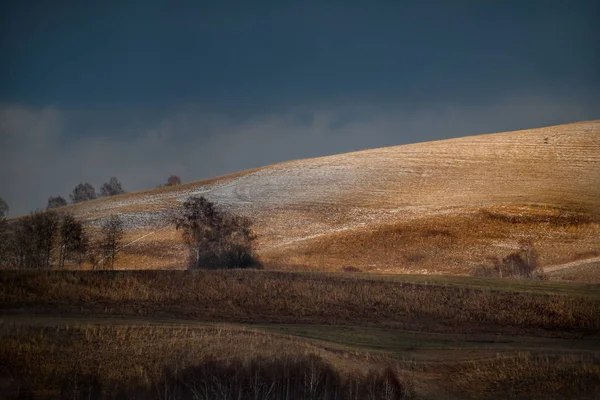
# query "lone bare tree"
(83, 192)
(112, 236)
(73, 240)
(173, 180)
(3, 208)
(55, 202)
(215, 237)
(111, 188)
(5, 236)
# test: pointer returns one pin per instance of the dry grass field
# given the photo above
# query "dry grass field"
(282, 297)
(440, 207)
(157, 334)
(152, 361)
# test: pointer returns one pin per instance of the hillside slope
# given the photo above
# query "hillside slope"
(435, 207)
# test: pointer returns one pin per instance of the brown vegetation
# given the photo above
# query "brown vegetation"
(154, 361)
(526, 376)
(448, 243)
(260, 296)
(163, 361)
(521, 264)
(129, 346)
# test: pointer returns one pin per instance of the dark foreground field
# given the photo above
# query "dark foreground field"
(270, 335)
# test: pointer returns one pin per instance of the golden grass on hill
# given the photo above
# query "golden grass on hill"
(435, 207)
(450, 244)
(270, 297)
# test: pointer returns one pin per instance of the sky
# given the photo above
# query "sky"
(141, 90)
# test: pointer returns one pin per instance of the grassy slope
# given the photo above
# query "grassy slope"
(435, 207)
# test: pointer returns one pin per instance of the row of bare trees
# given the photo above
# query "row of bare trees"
(49, 239)
(216, 238)
(85, 192)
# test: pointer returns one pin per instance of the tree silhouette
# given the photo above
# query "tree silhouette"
(83, 192)
(112, 235)
(216, 238)
(55, 202)
(111, 188)
(173, 180)
(3, 208)
(73, 240)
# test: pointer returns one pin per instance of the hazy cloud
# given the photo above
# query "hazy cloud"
(42, 156)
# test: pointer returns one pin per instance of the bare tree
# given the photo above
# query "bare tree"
(5, 242)
(3, 208)
(83, 192)
(173, 180)
(73, 240)
(111, 188)
(112, 236)
(33, 239)
(216, 238)
(55, 202)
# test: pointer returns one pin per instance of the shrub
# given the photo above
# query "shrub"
(520, 264)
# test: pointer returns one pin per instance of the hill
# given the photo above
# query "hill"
(439, 207)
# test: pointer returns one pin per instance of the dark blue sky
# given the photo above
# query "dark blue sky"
(120, 70)
(252, 55)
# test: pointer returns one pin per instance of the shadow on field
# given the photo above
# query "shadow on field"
(307, 377)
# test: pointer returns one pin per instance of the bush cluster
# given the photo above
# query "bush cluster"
(521, 264)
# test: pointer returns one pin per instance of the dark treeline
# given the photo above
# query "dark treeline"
(50, 239)
(216, 238)
(85, 191)
(300, 378)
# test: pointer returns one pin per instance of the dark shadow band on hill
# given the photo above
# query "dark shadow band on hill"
(298, 298)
